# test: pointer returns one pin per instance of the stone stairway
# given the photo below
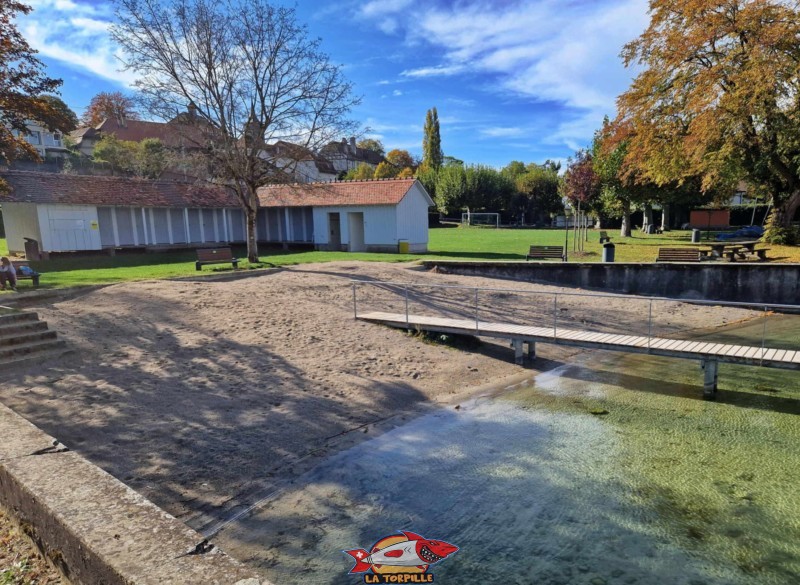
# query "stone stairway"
(25, 339)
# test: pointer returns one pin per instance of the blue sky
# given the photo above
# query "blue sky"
(511, 79)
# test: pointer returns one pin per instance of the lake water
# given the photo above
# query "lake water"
(609, 469)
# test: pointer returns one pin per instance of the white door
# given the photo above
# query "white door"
(355, 224)
(71, 227)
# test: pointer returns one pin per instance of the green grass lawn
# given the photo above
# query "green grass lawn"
(445, 243)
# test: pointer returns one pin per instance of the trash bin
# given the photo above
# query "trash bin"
(32, 249)
(695, 236)
(402, 246)
(608, 252)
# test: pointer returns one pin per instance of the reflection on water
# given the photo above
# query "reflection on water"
(657, 486)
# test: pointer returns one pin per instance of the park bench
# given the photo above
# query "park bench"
(545, 252)
(678, 255)
(25, 272)
(215, 256)
(604, 237)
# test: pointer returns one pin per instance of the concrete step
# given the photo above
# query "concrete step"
(15, 351)
(21, 327)
(17, 317)
(28, 337)
(18, 362)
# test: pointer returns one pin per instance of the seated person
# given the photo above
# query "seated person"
(7, 274)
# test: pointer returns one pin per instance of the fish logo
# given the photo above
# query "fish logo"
(400, 558)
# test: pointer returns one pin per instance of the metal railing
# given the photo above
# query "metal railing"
(404, 289)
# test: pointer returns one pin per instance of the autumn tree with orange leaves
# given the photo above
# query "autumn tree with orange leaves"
(109, 104)
(718, 97)
(22, 89)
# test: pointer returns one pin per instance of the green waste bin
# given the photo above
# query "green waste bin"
(402, 246)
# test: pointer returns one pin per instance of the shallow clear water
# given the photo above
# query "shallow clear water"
(534, 488)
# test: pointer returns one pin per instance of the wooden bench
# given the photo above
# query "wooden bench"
(604, 237)
(545, 252)
(33, 275)
(215, 256)
(678, 255)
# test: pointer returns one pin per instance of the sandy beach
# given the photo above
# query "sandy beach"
(202, 395)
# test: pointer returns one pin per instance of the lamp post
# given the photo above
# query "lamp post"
(566, 232)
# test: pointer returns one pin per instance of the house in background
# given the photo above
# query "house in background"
(299, 163)
(178, 133)
(66, 213)
(346, 155)
(50, 145)
(183, 134)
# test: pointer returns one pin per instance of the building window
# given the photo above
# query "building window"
(35, 137)
(57, 139)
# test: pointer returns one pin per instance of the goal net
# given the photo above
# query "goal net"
(491, 220)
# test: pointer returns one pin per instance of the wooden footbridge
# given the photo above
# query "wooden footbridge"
(709, 353)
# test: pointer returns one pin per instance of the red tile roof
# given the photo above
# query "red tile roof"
(388, 192)
(54, 188)
(173, 133)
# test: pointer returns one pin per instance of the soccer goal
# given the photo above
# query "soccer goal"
(491, 220)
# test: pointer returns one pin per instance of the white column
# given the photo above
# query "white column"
(114, 225)
(135, 231)
(288, 224)
(169, 226)
(186, 224)
(202, 226)
(214, 214)
(153, 239)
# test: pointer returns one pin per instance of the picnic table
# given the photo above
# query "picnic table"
(733, 249)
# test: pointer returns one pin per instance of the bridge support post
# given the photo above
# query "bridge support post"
(518, 355)
(531, 350)
(710, 368)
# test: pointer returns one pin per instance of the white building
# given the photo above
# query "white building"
(356, 216)
(67, 213)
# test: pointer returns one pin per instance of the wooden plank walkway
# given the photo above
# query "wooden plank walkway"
(678, 348)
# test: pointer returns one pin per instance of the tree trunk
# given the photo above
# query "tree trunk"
(647, 216)
(665, 217)
(625, 230)
(252, 242)
(789, 208)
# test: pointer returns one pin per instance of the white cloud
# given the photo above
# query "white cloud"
(501, 132)
(75, 33)
(439, 70)
(382, 7)
(547, 50)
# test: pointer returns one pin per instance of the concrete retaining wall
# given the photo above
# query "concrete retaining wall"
(94, 528)
(722, 281)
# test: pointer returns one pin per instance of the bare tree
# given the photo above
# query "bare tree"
(249, 75)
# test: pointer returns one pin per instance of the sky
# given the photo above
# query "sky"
(525, 80)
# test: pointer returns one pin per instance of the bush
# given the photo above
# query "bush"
(775, 233)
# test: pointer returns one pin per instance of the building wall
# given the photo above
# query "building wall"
(714, 218)
(162, 226)
(412, 220)
(279, 225)
(20, 221)
(68, 227)
(380, 226)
